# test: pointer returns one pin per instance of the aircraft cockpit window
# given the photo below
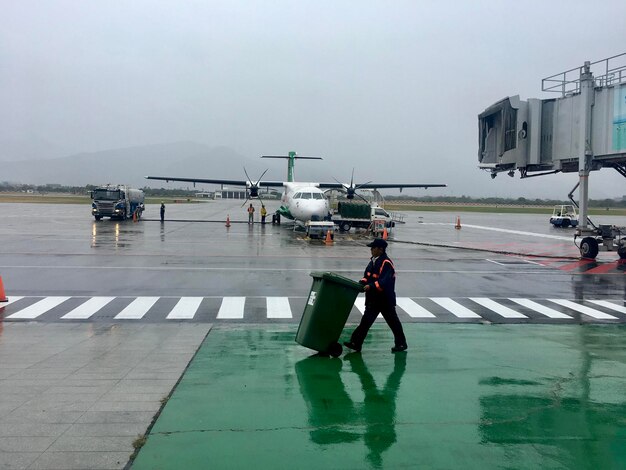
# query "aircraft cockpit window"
(306, 196)
(297, 195)
(318, 196)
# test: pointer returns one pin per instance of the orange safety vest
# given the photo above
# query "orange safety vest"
(375, 276)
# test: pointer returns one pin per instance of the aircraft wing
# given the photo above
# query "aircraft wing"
(271, 184)
(371, 185)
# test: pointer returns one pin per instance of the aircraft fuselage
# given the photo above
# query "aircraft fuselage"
(305, 201)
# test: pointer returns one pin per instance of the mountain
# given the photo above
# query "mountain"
(16, 150)
(130, 165)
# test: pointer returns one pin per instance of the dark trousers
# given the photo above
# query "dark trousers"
(372, 309)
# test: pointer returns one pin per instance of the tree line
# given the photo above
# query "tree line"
(157, 192)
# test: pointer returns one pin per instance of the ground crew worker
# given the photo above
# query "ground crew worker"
(162, 211)
(251, 214)
(379, 282)
(263, 214)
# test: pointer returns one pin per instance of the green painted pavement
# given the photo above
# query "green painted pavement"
(463, 396)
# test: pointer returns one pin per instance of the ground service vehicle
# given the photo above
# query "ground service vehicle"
(359, 215)
(564, 216)
(117, 202)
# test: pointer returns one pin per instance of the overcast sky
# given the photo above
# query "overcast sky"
(391, 87)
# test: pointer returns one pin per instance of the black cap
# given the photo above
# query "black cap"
(378, 243)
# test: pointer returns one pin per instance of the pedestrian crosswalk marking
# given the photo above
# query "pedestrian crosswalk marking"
(583, 309)
(87, 309)
(185, 309)
(137, 308)
(454, 308)
(38, 308)
(11, 300)
(547, 311)
(500, 309)
(231, 308)
(609, 305)
(413, 309)
(359, 303)
(234, 308)
(278, 307)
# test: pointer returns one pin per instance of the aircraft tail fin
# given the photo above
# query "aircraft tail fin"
(290, 164)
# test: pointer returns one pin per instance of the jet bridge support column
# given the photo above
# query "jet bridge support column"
(584, 144)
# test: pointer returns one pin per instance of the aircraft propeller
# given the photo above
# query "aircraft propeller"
(252, 188)
(351, 188)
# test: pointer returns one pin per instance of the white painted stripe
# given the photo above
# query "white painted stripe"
(547, 311)
(584, 310)
(454, 308)
(87, 309)
(137, 308)
(500, 309)
(231, 308)
(39, 308)
(359, 303)
(11, 300)
(515, 232)
(609, 305)
(278, 307)
(413, 309)
(185, 309)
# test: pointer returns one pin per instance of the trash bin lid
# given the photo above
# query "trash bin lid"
(339, 279)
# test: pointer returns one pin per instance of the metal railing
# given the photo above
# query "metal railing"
(606, 72)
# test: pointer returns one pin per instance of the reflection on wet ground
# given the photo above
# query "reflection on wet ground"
(373, 419)
(117, 234)
(465, 396)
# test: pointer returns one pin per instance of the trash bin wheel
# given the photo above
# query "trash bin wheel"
(335, 350)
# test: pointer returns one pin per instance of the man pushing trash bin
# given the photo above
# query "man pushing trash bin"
(379, 282)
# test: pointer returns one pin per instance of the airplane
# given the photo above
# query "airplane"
(301, 201)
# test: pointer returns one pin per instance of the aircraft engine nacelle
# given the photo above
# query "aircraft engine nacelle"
(253, 189)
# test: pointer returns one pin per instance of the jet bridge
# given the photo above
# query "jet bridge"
(583, 130)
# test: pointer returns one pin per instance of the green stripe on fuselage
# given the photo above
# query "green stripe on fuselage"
(284, 212)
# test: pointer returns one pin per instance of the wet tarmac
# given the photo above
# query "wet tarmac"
(474, 389)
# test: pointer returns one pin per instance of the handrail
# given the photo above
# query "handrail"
(611, 74)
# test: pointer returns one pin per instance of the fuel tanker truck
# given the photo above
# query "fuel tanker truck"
(117, 202)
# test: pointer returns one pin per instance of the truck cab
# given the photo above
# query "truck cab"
(117, 202)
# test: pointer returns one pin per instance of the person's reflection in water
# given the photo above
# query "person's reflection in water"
(330, 407)
(332, 413)
(379, 406)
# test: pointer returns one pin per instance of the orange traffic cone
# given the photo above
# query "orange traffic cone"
(228, 220)
(3, 297)
(385, 233)
(329, 239)
(458, 222)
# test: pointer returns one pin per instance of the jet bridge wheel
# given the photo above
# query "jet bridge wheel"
(589, 247)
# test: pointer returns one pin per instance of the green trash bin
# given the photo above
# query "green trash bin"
(326, 312)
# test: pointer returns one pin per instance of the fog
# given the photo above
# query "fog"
(391, 88)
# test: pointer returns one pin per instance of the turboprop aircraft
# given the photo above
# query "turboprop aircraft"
(301, 201)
